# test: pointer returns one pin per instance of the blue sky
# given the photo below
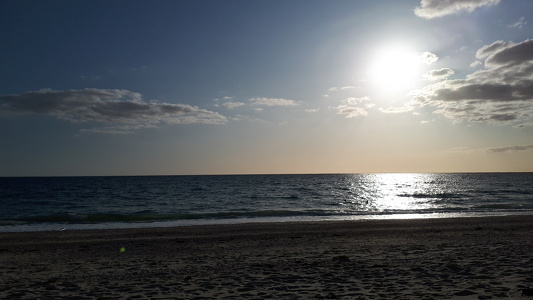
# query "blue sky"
(240, 87)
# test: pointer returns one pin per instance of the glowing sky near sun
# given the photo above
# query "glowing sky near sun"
(266, 86)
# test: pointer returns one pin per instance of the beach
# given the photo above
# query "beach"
(445, 258)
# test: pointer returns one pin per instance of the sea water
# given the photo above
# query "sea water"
(63, 203)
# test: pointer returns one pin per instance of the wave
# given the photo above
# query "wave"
(147, 216)
(150, 217)
(433, 195)
(504, 206)
(264, 197)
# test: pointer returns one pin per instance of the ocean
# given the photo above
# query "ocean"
(70, 203)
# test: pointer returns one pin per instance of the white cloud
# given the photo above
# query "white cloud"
(501, 92)
(239, 117)
(232, 105)
(518, 24)
(351, 107)
(273, 102)
(476, 63)
(487, 50)
(463, 150)
(355, 100)
(340, 88)
(428, 58)
(312, 110)
(430, 9)
(124, 109)
(439, 74)
(350, 111)
(397, 110)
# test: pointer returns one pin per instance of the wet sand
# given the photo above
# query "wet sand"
(464, 258)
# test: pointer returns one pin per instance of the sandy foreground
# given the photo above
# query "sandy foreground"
(464, 258)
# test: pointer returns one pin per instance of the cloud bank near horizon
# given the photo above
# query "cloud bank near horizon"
(513, 148)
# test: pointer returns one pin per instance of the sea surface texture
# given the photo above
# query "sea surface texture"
(59, 203)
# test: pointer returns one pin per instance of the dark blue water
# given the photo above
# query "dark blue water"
(110, 202)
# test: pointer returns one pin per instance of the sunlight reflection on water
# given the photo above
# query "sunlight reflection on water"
(394, 191)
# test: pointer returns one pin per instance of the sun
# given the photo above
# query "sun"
(394, 68)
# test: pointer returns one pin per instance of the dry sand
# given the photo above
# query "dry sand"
(465, 258)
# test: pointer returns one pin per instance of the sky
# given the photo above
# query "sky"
(266, 86)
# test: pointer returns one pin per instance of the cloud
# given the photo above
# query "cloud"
(312, 110)
(518, 24)
(524, 125)
(501, 92)
(336, 88)
(273, 102)
(476, 64)
(232, 105)
(350, 111)
(355, 100)
(350, 107)
(439, 74)
(487, 50)
(124, 109)
(509, 53)
(397, 110)
(427, 58)
(511, 148)
(118, 129)
(463, 150)
(430, 9)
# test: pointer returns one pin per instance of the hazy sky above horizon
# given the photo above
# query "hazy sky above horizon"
(265, 86)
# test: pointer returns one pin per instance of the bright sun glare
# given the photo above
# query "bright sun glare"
(395, 68)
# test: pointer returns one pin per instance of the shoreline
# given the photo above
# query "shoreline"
(43, 227)
(439, 258)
